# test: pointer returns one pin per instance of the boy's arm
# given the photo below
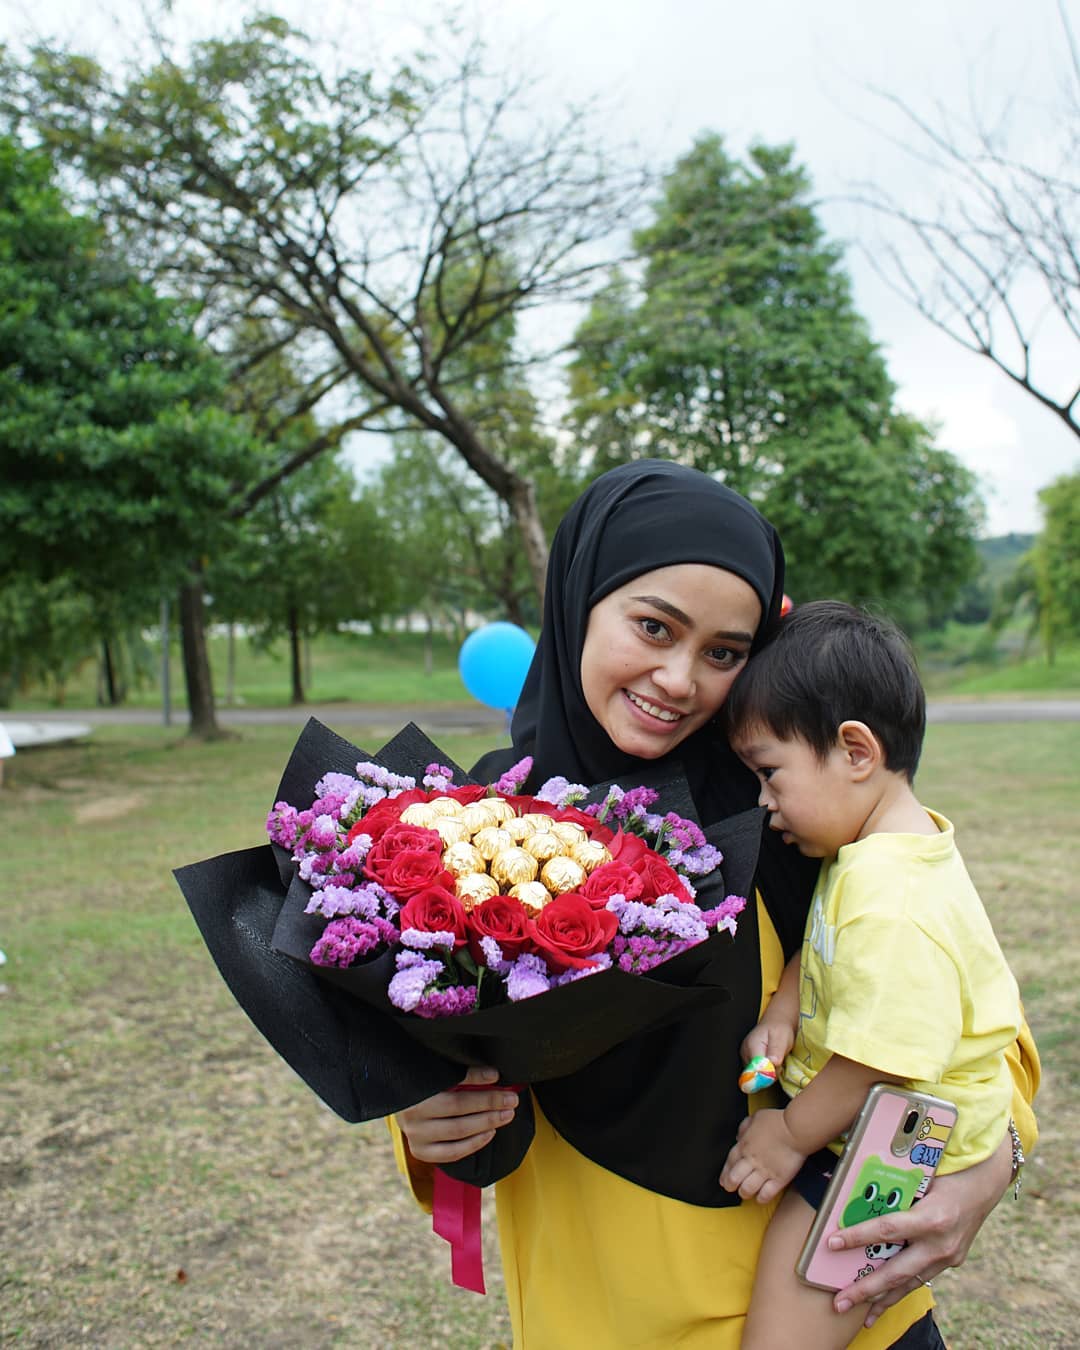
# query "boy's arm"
(825, 1108)
(775, 1033)
(773, 1145)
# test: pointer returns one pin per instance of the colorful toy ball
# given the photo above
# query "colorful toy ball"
(759, 1073)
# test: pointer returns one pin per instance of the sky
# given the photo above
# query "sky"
(665, 73)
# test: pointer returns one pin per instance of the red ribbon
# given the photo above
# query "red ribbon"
(455, 1217)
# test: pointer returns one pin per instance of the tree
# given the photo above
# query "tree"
(741, 352)
(1055, 562)
(385, 226)
(308, 557)
(995, 262)
(116, 469)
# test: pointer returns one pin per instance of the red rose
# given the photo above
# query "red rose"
(659, 878)
(408, 871)
(396, 839)
(612, 878)
(503, 918)
(470, 792)
(569, 931)
(628, 848)
(435, 910)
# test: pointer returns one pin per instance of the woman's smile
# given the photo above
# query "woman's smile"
(652, 709)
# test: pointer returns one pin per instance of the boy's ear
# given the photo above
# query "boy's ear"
(862, 748)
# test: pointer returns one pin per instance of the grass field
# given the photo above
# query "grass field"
(167, 1180)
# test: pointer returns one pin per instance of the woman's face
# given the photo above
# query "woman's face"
(662, 652)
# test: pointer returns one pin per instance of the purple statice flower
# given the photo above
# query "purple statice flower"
(334, 899)
(510, 783)
(652, 823)
(414, 974)
(420, 941)
(281, 824)
(437, 777)
(390, 783)
(323, 833)
(724, 915)
(343, 941)
(450, 1002)
(329, 804)
(601, 961)
(697, 862)
(685, 832)
(561, 792)
(526, 977)
(493, 956)
(634, 803)
(353, 856)
(335, 784)
(314, 866)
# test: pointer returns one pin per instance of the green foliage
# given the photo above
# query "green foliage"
(115, 467)
(47, 630)
(1055, 562)
(742, 354)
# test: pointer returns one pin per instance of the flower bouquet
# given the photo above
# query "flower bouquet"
(395, 929)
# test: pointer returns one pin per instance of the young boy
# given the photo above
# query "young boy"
(900, 978)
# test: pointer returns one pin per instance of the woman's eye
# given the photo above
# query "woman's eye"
(726, 657)
(653, 628)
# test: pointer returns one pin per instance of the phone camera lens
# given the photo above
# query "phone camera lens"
(911, 1122)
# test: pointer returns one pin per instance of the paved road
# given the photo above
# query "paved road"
(463, 718)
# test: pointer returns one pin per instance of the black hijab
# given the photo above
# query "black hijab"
(663, 1108)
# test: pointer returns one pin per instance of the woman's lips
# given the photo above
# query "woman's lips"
(659, 712)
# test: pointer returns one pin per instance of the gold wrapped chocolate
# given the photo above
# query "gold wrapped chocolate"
(518, 828)
(419, 813)
(451, 831)
(462, 859)
(538, 820)
(513, 866)
(544, 845)
(491, 840)
(476, 816)
(570, 832)
(474, 888)
(561, 875)
(500, 809)
(590, 853)
(445, 806)
(533, 895)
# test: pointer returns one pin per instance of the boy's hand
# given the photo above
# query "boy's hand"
(764, 1159)
(771, 1039)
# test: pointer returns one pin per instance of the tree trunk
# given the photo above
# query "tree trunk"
(523, 507)
(230, 668)
(108, 675)
(197, 677)
(294, 652)
(429, 657)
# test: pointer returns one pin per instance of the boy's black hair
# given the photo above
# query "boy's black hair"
(828, 663)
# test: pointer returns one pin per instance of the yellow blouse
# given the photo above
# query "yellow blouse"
(594, 1261)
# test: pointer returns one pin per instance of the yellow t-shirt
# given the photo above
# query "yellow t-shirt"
(594, 1262)
(900, 970)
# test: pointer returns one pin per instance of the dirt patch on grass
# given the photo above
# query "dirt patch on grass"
(108, 808)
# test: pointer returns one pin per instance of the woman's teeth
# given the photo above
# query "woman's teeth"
(663, 713)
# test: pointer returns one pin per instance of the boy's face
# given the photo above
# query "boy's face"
(810, 800)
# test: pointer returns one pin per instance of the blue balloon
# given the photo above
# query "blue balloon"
(493, 662)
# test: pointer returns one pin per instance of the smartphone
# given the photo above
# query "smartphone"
(888, 1162)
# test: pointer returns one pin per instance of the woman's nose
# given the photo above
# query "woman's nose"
(676, 676)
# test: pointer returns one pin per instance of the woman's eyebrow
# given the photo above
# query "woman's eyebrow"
(673, 611)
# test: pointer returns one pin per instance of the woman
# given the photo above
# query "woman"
(614, 1230)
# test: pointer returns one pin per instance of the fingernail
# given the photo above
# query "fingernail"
(842, 1305)
(505, 1117)
(836, 1244)
(509, 1099)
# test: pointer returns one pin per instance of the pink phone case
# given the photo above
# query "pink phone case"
(892, 1152)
